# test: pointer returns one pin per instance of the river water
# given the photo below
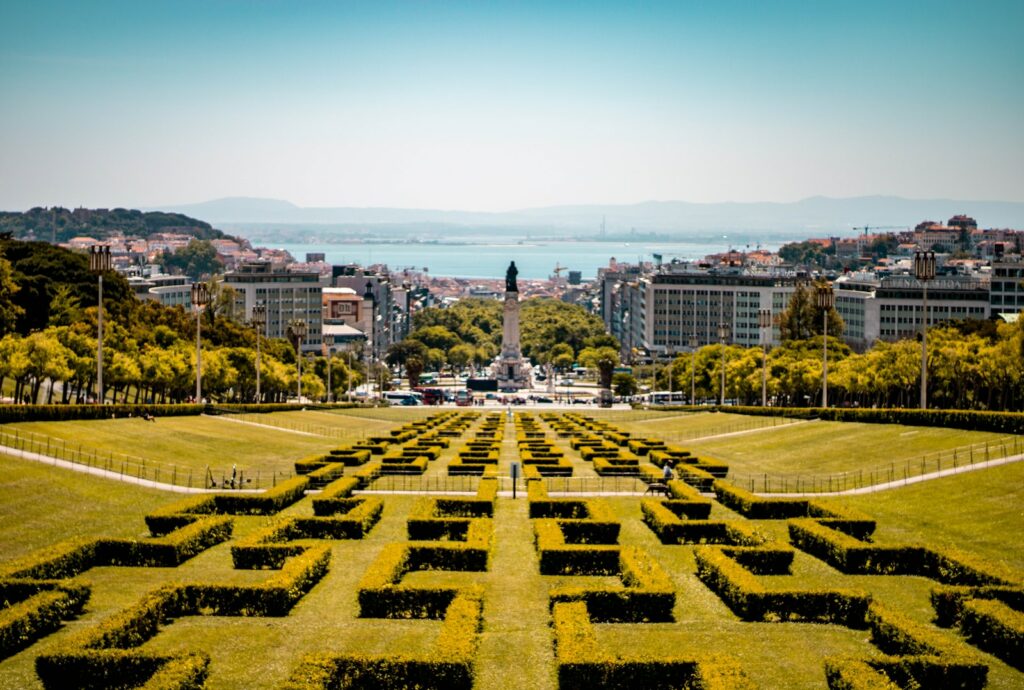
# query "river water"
(535, 259)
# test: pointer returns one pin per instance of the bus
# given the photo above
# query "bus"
(665, 398)
(404, 397)
(431, 396)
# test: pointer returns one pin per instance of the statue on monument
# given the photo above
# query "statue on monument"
(510, 278)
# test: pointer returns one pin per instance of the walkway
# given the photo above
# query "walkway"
(895, 484)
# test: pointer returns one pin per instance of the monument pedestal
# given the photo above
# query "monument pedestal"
(509, 367)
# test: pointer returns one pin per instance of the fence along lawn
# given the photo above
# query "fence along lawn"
(821, 447)
(188, 443)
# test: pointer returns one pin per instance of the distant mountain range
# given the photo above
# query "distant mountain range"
(815, 215)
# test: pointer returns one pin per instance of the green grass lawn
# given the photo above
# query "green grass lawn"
(42, 505)
(980, 512)
(824, 447)
(216, 442)
(684, 427)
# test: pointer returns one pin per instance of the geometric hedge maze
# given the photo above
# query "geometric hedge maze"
(577, 540)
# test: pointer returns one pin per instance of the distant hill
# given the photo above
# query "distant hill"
(63, 224)
(815, 215)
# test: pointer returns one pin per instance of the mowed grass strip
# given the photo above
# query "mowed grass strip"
(342, 428)
(981, 512)
(682, 427)
(824, 447)
(188, 442)
(43, 505)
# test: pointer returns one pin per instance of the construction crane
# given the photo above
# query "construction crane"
(557, 270)
(868, 228)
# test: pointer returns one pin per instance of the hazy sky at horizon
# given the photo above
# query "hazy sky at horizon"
(497, 106)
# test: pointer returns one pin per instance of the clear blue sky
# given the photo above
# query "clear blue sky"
(496, 106)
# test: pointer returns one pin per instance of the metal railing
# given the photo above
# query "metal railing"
(124, 465)
(895, 471)
(469, 484)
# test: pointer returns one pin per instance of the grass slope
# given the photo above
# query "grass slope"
(981, 512)
(42, 505)
(823, 447)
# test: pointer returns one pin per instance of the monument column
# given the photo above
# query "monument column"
(509, 368)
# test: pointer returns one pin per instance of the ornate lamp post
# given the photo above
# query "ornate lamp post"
(200, 298)
(924, 270)
(693, 369)
(99, 261)
(298, 329)
(348, 376)
(329, 343)
(826, 300)
(259, 322)
(723, 335)
(764, 322)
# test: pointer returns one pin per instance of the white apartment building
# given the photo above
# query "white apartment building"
(287, 296)
(1006, 294)
(667, 309)
(891, 308)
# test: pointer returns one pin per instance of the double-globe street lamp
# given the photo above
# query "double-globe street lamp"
(693, 369)
(764, 322)
(826, 300)
(299, 329)
(924, 270)
(723, 335)
(200, 298)
(259, 323)
(99, 262)
(329, 345)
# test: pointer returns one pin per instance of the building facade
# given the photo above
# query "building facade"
(287, 296)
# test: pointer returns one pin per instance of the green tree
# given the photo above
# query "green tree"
(10, 311)
(410, 354)
(802, 318)
(604, 359)
(624, 385)
(198, 259)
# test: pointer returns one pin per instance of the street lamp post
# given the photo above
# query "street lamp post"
(764, 322)
(99, 261)
(924, 270)
(348, 374)
(723, 335)
(826, 300)
(671, 371)
(329, 343)
(298, 329)
(259, 323)
(200, 297)
(693, 369)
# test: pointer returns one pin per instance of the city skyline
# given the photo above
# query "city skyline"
(499, 107)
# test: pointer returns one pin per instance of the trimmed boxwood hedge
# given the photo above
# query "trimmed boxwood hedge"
(970, 420)
(75, 556)
(851, 555)
(583, 664)
(648, 595)
(750, 600)
(107, 654)
(62, 413)
(449, 664)
(34, 608)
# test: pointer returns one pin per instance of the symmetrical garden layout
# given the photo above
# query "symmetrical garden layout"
(322, 583)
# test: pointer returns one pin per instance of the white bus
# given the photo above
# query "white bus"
(404, 397)
(666, 398)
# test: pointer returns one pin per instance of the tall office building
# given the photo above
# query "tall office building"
(287, 296)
